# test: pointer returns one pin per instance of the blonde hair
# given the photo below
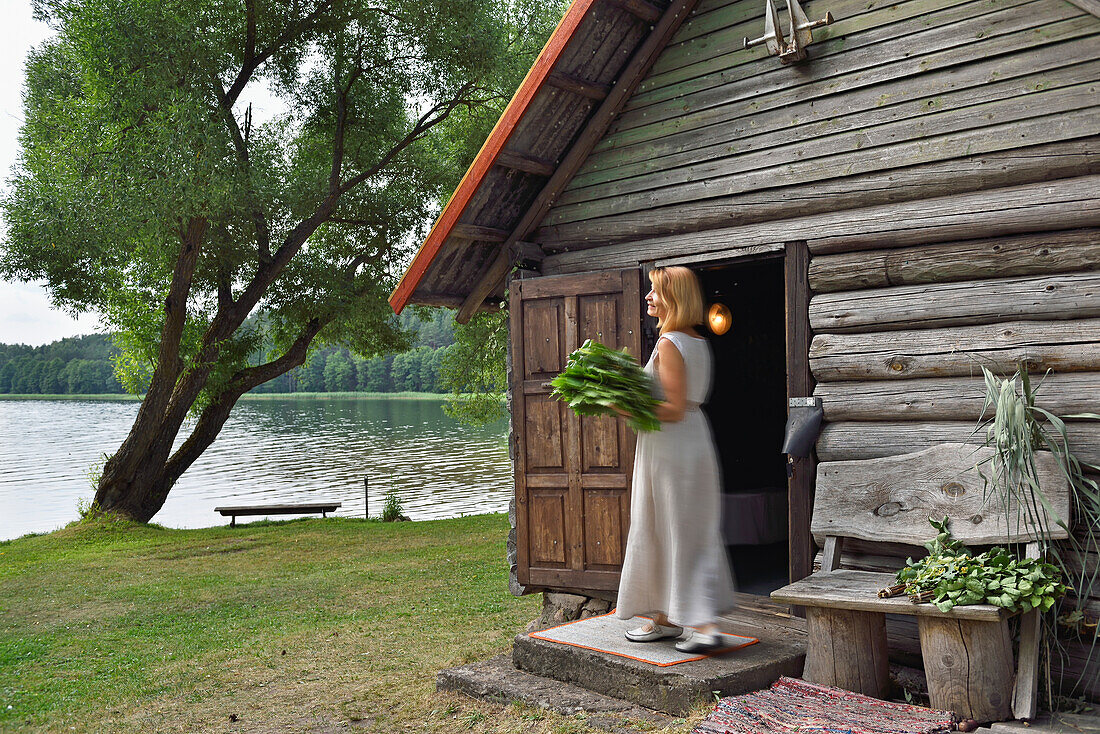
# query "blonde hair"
(682, 296)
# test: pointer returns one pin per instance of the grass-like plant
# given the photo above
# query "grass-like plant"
(392, 510)
(1017, 430)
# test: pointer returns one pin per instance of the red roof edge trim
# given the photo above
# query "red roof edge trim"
(475, 175)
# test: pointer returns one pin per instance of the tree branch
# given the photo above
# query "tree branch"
(226, 322)
(340, 133)
(249, 29)
(427, 121)
(259, 219)
(163, 384)
(214, 416)
(254, 60)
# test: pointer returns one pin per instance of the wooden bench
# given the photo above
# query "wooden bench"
(302, 508)
(967, 651)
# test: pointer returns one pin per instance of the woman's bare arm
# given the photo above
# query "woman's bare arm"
(673, 375)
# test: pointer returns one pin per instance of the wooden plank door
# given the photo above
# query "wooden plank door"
(572, 474)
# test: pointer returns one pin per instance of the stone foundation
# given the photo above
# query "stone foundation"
(561, 608)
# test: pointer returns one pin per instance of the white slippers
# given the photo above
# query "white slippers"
(651, 632)
(699, 642)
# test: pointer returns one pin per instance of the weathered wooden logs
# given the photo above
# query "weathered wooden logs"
(948, 398)
(1070, 296)
(998, 257)
(890, 499)
(849, 650)
(1029, 208)
(873, 439)
(1062, 346)
(969, 667)
(1014, 167)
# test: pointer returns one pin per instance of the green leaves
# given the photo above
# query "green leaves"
(597, 379)
(952, 577)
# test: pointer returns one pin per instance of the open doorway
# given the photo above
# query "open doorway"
(747, 412)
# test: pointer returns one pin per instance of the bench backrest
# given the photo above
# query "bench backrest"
(890, 499)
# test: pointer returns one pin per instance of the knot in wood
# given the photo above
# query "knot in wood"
(888, 509)
(897, 365)
(977, 519)
(953, 490)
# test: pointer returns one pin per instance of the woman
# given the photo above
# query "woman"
(675, 570)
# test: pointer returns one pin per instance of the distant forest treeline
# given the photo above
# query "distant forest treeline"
(82, 365)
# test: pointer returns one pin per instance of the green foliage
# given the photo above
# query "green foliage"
(75, 365)
(950, 576)
(83, 365)
(598, 379)
(392, 510)
(473, 370)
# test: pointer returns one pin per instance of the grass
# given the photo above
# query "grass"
(297, 626)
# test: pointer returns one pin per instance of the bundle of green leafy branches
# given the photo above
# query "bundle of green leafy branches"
(950, 576)
(597, 379)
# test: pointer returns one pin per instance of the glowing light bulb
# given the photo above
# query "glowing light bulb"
(719, 319)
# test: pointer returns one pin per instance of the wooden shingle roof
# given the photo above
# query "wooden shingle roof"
(589, 67)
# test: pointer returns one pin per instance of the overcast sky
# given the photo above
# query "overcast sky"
(25, 313)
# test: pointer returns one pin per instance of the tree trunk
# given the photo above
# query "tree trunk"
(140, 494)
(137, 479)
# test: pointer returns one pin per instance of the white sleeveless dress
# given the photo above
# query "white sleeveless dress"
(675, 556)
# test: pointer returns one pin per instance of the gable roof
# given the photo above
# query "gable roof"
(589, 66)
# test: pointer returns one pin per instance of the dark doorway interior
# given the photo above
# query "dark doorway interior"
(747, 412)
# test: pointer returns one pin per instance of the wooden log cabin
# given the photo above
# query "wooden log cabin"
(915, 198)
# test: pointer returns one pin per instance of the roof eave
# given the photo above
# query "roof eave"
(487, 156)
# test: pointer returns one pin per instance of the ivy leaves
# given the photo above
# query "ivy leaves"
(597, 378)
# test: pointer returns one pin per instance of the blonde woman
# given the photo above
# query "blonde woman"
(675, 571)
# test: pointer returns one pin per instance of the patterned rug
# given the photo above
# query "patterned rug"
(793, 705)
(605, 633)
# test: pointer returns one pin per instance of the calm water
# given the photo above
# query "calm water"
(281, 450)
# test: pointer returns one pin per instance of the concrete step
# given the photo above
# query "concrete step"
(674, 689)
(498, 680)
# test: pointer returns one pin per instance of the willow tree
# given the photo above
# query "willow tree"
(147, 189)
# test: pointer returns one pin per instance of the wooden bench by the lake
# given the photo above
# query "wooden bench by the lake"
(967, 651)
(299, 508)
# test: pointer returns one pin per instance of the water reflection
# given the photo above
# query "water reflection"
(280, 450)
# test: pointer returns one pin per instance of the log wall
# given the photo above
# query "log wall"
(901, 335)
(939, 157)
(899, 100)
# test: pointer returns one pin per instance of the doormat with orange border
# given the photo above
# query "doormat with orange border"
(606, 633)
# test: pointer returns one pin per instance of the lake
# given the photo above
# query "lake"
(277, 450)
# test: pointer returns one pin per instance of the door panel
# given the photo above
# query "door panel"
(547, 507)
(542, 429)
(601, 448)
(603, 529)
(572, 475)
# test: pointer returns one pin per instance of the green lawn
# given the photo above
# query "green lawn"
(308, 625)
